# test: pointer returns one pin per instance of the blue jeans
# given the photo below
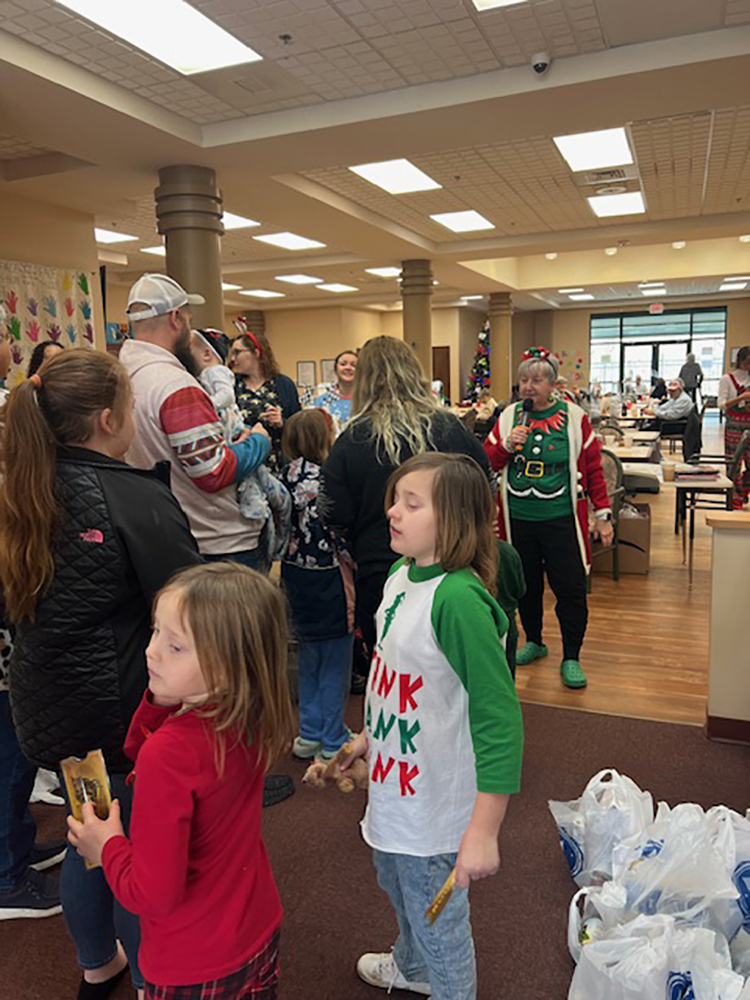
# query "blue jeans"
(441, 955)
(254, 558)
(17, 828)
(325, 675)
(93, 916)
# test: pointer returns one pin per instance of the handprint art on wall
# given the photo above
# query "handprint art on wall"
(50, 306)
(32, 331)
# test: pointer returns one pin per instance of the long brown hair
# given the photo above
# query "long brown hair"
(238, 619)
(464, 512)
(57, 406)
(258, 344)
(391, 390)
(309, 435)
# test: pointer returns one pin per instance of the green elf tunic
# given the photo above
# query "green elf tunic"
(441, 713)
(539, 475)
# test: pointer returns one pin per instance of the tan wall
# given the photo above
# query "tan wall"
(58, 237)
(117, 302)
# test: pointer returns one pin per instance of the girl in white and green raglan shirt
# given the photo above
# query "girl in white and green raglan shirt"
(443, 732)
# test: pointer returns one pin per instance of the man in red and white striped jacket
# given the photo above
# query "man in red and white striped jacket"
(176, 421)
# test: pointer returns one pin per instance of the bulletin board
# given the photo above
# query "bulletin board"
(44, 303)
(573, 367)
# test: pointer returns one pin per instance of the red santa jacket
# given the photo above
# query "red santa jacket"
(586, 476)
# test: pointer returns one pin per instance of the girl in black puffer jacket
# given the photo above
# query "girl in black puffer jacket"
(86, 542)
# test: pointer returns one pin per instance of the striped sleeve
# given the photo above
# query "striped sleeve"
(196, 436)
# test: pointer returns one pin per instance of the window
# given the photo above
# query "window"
(626, 347)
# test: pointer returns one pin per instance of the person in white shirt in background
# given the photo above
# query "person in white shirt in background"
(678, 405)
(734, 401)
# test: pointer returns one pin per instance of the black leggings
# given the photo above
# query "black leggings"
(552, 546)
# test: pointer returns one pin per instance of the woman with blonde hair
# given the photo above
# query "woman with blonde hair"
(394, 417)
(86, 541)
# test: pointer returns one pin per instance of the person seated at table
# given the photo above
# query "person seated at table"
(677, 406)
(659, 390)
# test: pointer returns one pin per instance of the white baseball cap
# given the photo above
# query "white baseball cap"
(161, 294)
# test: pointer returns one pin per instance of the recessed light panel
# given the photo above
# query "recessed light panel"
(335, 287)
(492, 4)
(740, 277)
(232, 221)
(172, 31)
(299, 279)
(110, 236)
(651, 284)
(462, 222)
(585, 297)
(595, 150)
(733, 286)
(262, 293)
(229, 288)
(396, 176)
(157, 251)
(569, 291)
(289, 241)
(384, 272)
(607, 205)
(471, 298)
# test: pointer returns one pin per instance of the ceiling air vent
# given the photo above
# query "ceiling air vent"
(608, 176)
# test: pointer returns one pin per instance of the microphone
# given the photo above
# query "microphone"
(527, 407)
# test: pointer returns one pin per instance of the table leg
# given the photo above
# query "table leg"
(683, 523)
(676, 511)
(692, 540)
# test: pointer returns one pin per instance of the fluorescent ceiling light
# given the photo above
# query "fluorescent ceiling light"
(232, 221)
(471, 298)
(745, 238)
(172, 31)
(159, 251)
(337, 288)
(595, 150)
(740, 277)
(551, 256)
(289, 241)
(262, 293)
(569, 291)
(733, 286)
(652, 292)
(651, 284)
(585, 297)
(462, 222)
(229, 288)
(396, 176)
(109, 236)
(492, 4)
(611, 251)
(679, 244)
(384, 272)
(606, 205)
(299, 279)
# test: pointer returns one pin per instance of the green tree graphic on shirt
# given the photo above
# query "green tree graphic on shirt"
(390, 614)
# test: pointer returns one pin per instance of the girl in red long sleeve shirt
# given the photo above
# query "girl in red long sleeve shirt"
(215, 716)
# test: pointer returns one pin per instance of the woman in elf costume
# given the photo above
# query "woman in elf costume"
(734, 400)
(551, 467)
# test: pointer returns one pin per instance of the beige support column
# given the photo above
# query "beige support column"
(416, 292)
(501, 343)
(189, 211)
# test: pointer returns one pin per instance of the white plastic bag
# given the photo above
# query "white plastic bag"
(652, 959)
(674, 867)
(584, 922)
(611, 809)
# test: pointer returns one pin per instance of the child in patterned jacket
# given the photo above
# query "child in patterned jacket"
(443, 732)
(261, 496)
(318, 580)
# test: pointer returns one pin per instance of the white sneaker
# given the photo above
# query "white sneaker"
(305, 749)
(380, 969)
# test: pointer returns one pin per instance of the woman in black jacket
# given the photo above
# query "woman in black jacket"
(85, 543)
(263, 393)
(395, 416)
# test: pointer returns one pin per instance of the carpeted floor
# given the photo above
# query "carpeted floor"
(334, 910)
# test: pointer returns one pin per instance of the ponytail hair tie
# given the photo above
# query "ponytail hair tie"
(36, 381)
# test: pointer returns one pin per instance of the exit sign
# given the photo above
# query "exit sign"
(656, 308)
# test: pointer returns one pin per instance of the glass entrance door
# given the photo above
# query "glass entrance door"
(637, 360)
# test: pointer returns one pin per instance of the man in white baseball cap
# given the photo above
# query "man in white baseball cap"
(176, 420)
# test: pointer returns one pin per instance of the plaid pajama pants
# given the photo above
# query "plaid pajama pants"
(258, 979)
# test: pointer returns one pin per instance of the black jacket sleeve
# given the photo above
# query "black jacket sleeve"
(336, 504)
(457, 438)
(152, 528)
(288, 396)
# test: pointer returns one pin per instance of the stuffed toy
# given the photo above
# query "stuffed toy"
(320, 774)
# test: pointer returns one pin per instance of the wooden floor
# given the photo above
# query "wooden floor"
(646, 649)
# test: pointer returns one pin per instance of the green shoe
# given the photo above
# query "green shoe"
(531, 651)
(572, 675)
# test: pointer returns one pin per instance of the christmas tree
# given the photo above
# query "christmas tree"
(479, 377)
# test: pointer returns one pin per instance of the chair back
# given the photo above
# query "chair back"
(613, 473)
